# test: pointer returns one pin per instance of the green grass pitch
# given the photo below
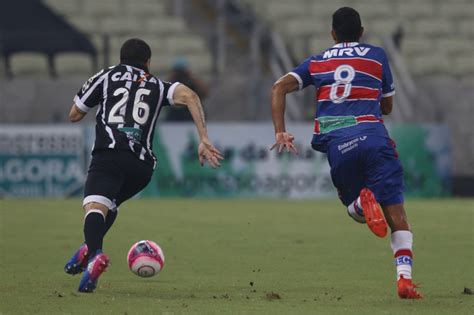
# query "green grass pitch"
(229, 256)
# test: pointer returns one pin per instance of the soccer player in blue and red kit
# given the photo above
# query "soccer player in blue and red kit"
(354, 88)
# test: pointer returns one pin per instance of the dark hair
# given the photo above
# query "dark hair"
(347, 25)
(135, 52)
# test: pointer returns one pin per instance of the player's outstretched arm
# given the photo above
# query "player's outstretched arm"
(386, 104)
(187, 97)
(283, 139)
(75, 114)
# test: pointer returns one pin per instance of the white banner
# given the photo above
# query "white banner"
(250, 168)
(52, 160)
(39, 160)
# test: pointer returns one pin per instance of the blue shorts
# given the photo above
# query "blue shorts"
(367, 162)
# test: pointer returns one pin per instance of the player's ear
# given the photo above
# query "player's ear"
(361, 32)
(147, 63)
(333, 34)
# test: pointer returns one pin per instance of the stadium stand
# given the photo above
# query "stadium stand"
(29, 64)
(118, 20)
(29, 44)
(70, 63)
(428, 29)
(104, 26)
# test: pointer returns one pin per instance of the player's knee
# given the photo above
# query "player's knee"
(96, 206)
(98, 202)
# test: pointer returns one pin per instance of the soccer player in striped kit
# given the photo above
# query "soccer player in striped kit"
(129, 100)
(354, 88)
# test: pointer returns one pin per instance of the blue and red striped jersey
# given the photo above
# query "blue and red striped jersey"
(350, 79)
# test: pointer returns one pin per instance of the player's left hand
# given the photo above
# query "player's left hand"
(284, 140)
(207, 152)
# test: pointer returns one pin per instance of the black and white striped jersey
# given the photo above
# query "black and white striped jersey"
(129, 101)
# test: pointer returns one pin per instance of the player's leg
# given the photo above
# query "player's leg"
(355, 211)
(348, 174)
(133, 177)
(103, 182)
(102, 185)
(137, 176)
(94, 225)
(366, 209)
(110, 218)
(95, 228)
(92, 261)
(401, 239)
(385, 179)
(402, 248)
(396, 217)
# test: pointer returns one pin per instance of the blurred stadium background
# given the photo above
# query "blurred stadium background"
(226, 255)
(238, 48)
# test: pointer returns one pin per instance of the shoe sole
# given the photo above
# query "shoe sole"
(373, 213)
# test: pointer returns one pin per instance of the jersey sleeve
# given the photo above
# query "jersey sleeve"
(91, 93)
(302, 74)
(168, 91)
(388, 87)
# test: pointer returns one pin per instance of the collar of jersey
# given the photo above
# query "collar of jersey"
(137, 67)
(349, 44)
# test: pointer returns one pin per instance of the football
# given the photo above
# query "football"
(145, 258)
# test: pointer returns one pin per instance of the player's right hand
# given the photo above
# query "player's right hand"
(207, 152)
(284, 140)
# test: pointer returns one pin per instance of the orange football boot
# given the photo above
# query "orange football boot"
(373, 213)
(407, 290)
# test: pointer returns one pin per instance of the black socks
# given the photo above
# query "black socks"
(94, 231)
(109, 220)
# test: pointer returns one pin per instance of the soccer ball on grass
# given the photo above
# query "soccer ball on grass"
(145, 258)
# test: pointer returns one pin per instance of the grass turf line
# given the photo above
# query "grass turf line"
(228, 256)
